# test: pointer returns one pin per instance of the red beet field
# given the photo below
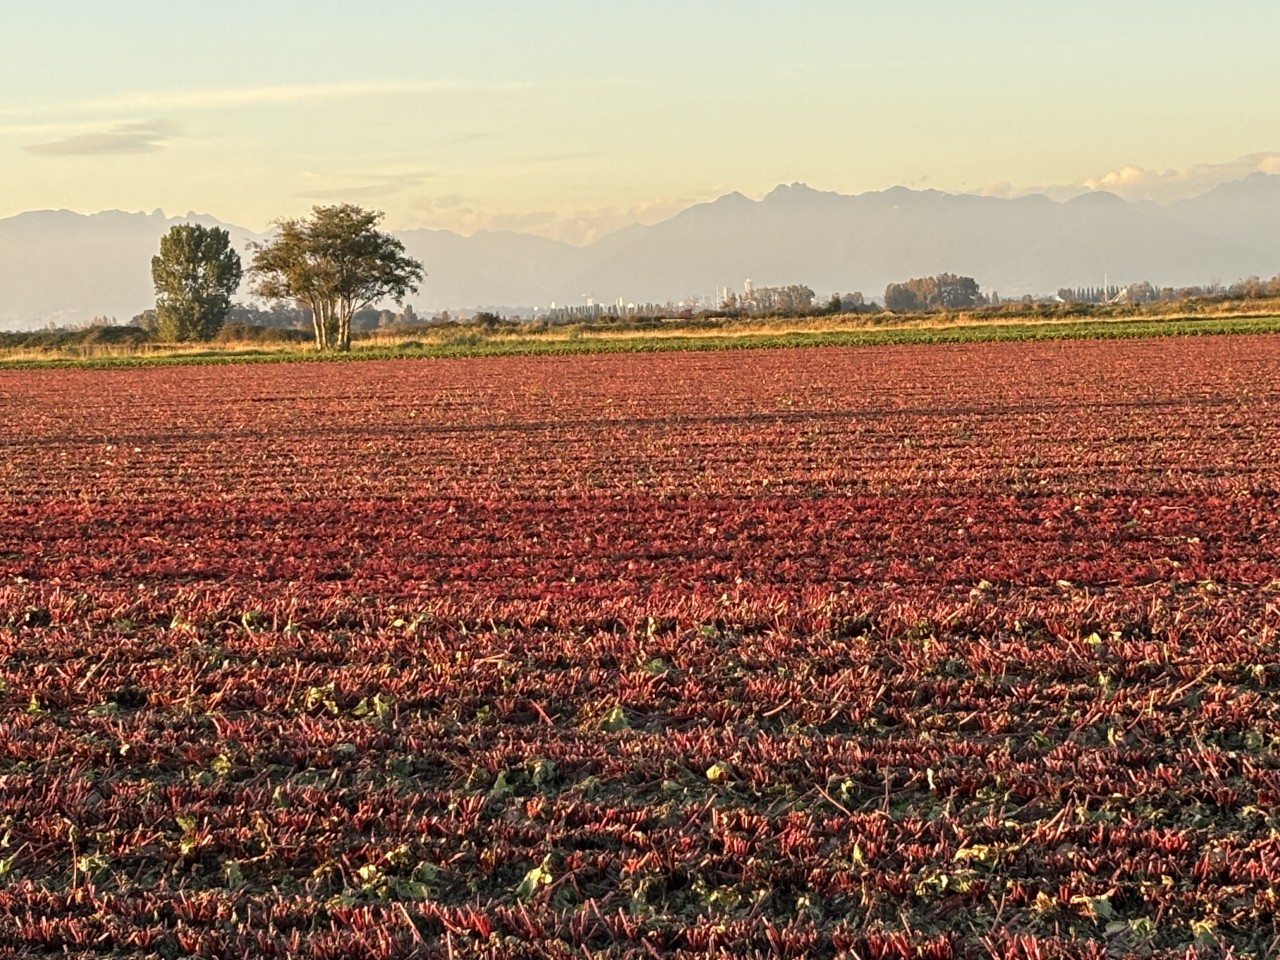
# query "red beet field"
(889, 652)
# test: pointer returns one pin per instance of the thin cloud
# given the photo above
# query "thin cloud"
(40, 129)
(476, 136)
(466, 216)
(543, 159)
(450, 201)
(378, 185)
(125, 138)
(586, 226)
(216, 98)
(1003, 190)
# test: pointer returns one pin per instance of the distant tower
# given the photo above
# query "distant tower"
(748, 289)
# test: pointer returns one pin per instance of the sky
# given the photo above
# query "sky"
(572, 118)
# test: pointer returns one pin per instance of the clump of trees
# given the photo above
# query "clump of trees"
(1254, 288)
(1144, 292)
(1088, 294)
(324, 272)
(790, 299)
(946, 291)
(196, 273)
(334, 264)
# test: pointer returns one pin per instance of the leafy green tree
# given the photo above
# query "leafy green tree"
(333, 264)
(196, 274)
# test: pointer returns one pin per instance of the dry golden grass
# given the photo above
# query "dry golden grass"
(667, 335)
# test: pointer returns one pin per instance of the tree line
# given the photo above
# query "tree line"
(1250, 288)
(333, 264)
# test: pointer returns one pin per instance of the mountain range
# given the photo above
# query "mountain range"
(63, 267)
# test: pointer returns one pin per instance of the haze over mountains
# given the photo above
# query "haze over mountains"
(63, 267)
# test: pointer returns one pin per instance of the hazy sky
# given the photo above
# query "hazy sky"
(571, 117)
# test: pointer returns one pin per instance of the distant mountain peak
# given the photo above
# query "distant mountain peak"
(901, 194)
(1257, 183)
(797, 192)
(791, 189)
(1097, 198)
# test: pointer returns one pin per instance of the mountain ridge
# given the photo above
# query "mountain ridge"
(64, 267)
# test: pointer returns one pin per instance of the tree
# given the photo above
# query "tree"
(333, 264)
(956, 293)
(791, 299)
(196, 273)
(146, 320)
(946, 291)
(900, 298)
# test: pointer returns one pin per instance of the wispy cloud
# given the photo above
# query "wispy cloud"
(553, 159)
(221, 97)
(29, 128)
(475, 136)
(121, 139)
(466, 215)
(375, 185)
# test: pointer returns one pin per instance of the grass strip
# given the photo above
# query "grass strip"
(607, 343)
